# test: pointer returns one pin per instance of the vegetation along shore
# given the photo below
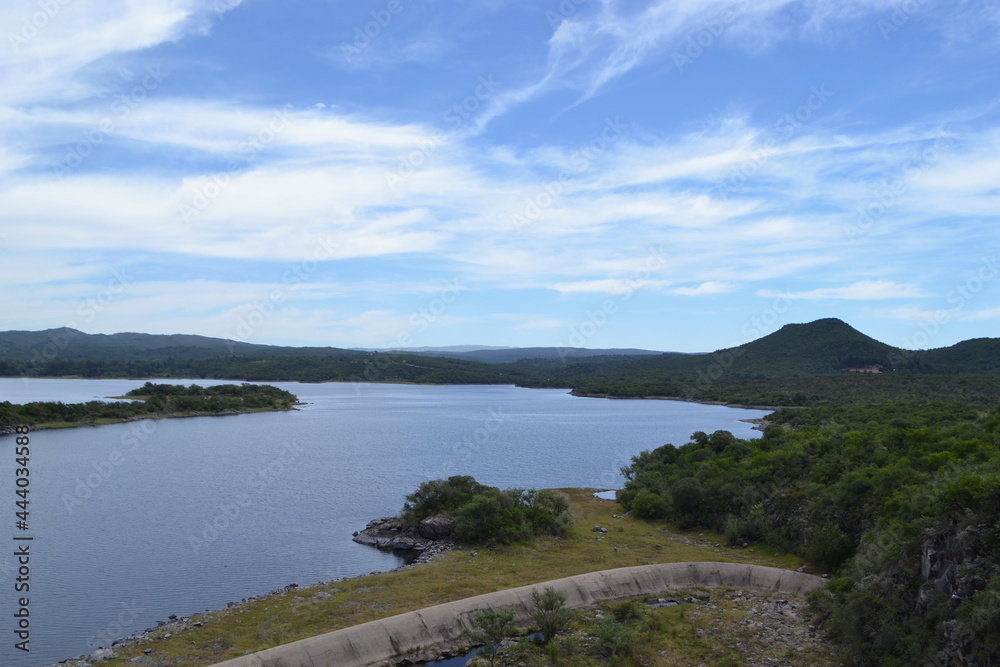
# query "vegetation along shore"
(151, 401)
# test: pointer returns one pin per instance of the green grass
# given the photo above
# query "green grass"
(303, 613)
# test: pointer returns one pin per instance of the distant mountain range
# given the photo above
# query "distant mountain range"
(826, 347)
(506, 355)
(78, 346)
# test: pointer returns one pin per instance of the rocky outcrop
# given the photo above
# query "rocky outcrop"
(393, 533)
(437, 527)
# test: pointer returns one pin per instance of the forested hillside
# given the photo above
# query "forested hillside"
(824, 362)
(899, 502)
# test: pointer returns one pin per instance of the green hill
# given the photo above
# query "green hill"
(979, 355)
(68, 352)
(799, 364)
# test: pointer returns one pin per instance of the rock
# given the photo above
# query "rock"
(147, 651)
(600, 529)
(391, 533)
(436, 527)
(102, 654)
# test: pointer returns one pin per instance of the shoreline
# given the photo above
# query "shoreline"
(680, 399)
(50, 426)
(410, 586)
(176, 623)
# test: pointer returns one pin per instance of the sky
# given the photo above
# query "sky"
(662, 174)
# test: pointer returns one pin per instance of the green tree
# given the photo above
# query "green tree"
(492, 627)
(649, 505)
(549, 612)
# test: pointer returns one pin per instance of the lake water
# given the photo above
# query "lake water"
(134, 522)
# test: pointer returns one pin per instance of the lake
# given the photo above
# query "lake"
(134, 522)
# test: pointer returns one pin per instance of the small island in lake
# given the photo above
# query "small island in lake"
(150, 401)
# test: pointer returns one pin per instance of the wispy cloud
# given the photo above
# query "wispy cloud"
(863, 290)
(705, 289)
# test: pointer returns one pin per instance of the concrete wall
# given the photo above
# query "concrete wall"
(378, 642)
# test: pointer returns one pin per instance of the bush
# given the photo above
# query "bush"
(688, 499)
(492, 627)
(829, 547)
(487, 515)
(615, 640)
(549, 612)
(438, 495)
(628, 611)
(649, 505)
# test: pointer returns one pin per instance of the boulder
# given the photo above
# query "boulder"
(437, 527)
(391, 533)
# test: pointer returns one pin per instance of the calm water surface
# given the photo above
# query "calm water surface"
(134, 522)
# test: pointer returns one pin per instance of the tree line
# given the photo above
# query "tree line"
(900, 503)
(151, 400)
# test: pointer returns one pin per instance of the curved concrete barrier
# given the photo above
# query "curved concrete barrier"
(403, 636)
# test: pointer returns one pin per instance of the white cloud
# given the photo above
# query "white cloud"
(861, 290)
(592, 49)
(607, 286)
(704, 289)
(982, 315)
(47, 48)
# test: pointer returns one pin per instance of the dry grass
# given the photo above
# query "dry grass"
(303, 613)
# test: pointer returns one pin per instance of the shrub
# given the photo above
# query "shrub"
(628, 611)
(615, 640)
(549, 612)
(492, 627)
(688, 498)
(649, 505)
(439, 495)
(486, 515)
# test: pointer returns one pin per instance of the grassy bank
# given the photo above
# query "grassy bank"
(302, 613)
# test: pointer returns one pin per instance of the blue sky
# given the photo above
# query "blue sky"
(672, 175)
